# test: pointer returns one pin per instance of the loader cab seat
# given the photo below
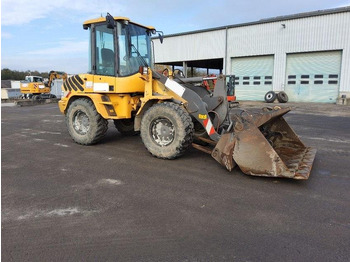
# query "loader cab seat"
(107, 67)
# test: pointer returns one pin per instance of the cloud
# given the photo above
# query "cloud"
(6, 35)
(67, 55)
(226, 12)
(62, 48)
(25, 11)
(71, 65)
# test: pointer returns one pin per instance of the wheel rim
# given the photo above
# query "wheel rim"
(269, 96)
(81, 122)
(163, 131)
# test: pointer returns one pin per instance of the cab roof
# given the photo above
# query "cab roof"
(87, 23)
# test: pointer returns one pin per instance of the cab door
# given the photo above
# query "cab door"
(105, 59)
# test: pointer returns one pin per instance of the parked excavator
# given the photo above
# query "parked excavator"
(121, 86)
(34, 87)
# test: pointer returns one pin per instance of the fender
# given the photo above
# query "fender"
(69, 98)
(109, 106)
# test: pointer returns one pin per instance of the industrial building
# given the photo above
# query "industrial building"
(306, 55)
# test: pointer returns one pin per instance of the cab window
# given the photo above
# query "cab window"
(105, 55)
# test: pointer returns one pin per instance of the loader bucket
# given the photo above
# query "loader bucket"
(263, 144)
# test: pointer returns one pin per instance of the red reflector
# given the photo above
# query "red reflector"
(231, 98)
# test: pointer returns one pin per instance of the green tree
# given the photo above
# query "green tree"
(8, 74)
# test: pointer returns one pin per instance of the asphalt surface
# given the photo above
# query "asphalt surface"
(115, 202)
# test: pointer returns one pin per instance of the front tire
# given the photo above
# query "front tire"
(166, 130)
(85, 125)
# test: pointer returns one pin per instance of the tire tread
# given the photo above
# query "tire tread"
(102, 124)
(188, 128)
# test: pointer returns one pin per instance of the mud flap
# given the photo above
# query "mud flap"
(263, 144)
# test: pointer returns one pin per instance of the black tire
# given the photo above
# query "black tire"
(36, 97)
(126, 126)
(85, 125)
(270, 97)
(166, 130)
(282, 97)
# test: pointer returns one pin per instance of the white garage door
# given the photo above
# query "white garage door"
(253, 76)
(313, 77)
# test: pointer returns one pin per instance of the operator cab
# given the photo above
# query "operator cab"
(118, 47)
(35, 79)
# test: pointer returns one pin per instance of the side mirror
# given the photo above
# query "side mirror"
(110, 21)
(161, 37)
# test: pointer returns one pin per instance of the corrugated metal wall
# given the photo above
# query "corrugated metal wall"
(320, 33)
(310, 34)
(206, 45)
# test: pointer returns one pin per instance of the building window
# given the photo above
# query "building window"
(305, 76)
(268, 77)
(245, 77)
(268, 82)
(245, 83)
(333, 76)
(256, 83)
(318, 82)
(292, 77)
(257, 77)
(332, 82)
(304, 82)
(291, 82)
(318, 76)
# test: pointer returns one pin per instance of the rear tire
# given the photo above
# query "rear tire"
(282, 97)
(85, 125)
(126, 126)
(166, 130)
(270, 97)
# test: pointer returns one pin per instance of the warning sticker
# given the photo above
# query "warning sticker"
(200, 116)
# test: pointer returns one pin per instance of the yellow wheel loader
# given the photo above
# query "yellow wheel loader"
(171, 114)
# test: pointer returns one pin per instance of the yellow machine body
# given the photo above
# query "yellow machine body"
(34, 88)
(115, 97)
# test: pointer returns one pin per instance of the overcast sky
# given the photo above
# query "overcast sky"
(48, 35)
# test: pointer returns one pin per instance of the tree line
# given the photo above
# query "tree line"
(8, 74)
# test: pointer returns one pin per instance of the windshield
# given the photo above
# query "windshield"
(134, 48)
